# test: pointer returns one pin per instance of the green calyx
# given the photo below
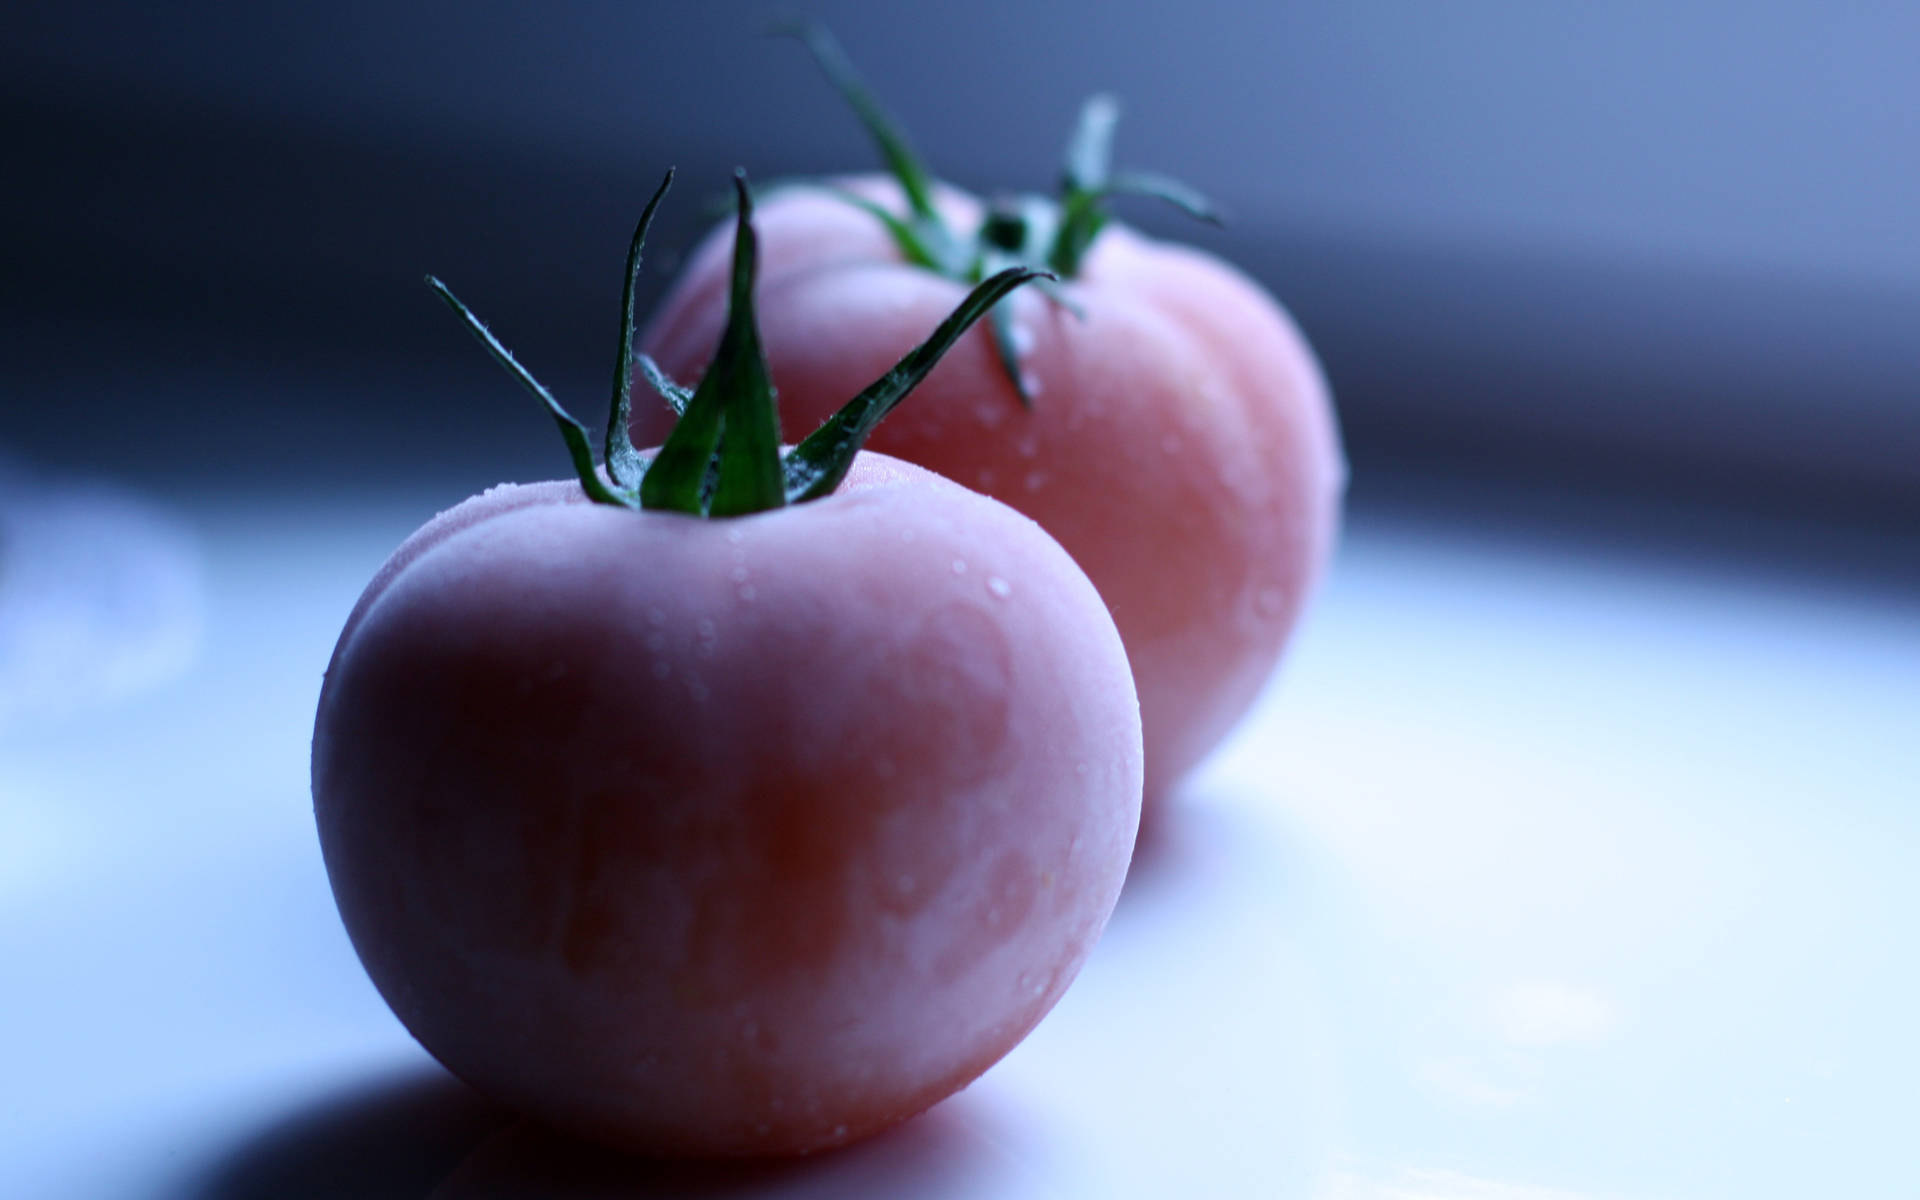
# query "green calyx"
(723, 457)
(1038, 232)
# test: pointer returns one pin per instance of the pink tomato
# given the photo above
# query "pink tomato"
(728, 835)
(1159, 414)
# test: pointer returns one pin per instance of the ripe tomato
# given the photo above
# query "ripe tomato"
(744, 835)
(1175, 434)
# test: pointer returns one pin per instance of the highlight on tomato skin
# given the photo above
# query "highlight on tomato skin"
(1179, 439)
(727, 837)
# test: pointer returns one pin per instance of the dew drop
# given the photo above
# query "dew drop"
(698, 690)
(907, 883)
(705, 627)
(656, 617)
(1019, 339)
(907, 535)
(1270, 602)
(1035, 479)
(734, 535)
(839, 1131)
(662, 668)
(738, 575)
(749, 1031)
(1080, 768)
(1030, 384)
(1027, 446)
(1171, 443)
(959, 566)
(748, 593)
(999, 586)
(656, 641)
(763, 1129)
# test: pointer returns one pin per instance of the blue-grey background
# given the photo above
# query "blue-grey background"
(1670, 249)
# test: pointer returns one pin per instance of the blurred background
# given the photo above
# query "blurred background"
(1661, 249)
(1568, 859)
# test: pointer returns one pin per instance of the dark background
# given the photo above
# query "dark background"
(1667, 252)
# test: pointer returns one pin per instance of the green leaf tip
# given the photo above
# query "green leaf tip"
(723, 456)
(904, 163)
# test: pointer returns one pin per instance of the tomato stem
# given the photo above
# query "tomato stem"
(722, 457)
(1043, 233)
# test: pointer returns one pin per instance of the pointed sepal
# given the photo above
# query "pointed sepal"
(579, 441)
(749, 478)
(817, 465)
(624, 464)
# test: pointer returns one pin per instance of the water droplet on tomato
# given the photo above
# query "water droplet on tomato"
(999, 586)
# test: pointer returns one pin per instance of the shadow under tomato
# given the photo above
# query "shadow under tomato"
(389, 1139)
(953, 1150)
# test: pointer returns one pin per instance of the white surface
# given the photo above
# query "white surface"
(1535, 878)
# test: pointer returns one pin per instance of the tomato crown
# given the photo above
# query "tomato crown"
(723, 457)
(1028, 230)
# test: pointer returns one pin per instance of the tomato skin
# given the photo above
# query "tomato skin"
(728, 837)
(1181, 443)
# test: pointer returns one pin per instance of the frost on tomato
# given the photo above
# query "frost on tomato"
(1156, 411)
(732, 836)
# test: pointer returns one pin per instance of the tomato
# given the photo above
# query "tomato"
(727, 835)
(1176, 435)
